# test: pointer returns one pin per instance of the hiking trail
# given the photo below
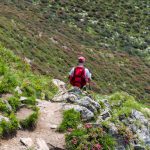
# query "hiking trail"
(50, 117)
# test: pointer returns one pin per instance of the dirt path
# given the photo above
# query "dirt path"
(50, 115)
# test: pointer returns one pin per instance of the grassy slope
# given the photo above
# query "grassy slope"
(27, 29)
(14, 72)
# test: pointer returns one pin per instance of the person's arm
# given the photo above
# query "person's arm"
(88, 76)
(71, 73)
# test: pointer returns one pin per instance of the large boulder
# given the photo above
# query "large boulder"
(86, 114)
(88, 103)
(60, 97)
(60, 84)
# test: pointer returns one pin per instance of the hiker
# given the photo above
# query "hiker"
(80, 76)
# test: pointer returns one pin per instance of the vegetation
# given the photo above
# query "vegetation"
(89, 138)
(30, 122)
(110, 34)
(15, 74)
(127, 104)
(8, 128)
(71, 119)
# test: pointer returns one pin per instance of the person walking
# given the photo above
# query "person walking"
(80, 76)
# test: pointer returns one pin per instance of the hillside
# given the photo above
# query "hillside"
(19, 89)
(53, 33)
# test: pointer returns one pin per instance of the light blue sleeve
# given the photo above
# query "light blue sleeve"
(71, 72)
(88, 74)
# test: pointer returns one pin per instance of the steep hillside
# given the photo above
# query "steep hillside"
(19, 89)
(53, 33)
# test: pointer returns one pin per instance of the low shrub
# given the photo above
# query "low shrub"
(8, 128)
(3, 107)
(14, 102)
(71, 119)
(8, 83)
(30, 101)
(89, 138)
(31, 121)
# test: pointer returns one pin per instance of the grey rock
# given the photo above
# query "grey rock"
(60, 97)
(147, 141)
(60, 84)
(27, 142)
(8, 105)
(41, 144)
(75, 90)
(138, 115)
(89, 104)
(86, 114)
(113, 130)
(72, 98)
(133, 128)
(105, 115)
(22, 98)
(53, 126)
(4, 118)
(106, 103)
(18, 90)
(139, 147)
(120, 148)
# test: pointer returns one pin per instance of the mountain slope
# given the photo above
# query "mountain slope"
(50, 35)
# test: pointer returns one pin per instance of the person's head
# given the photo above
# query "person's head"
(81, 59)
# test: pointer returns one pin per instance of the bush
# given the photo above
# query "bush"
(31, 121)
(3, 107)
(8, 83)
(30, 101)
(71, 119)
(15, 103)
(89, 138)
(10, 127)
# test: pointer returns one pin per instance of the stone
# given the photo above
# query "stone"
(60, 97)
(60, 84)
(86, 114)
(113, 130)
(22, 98)
(106, 103)
(75, 90)
(121, 117)
(41, 144)
(139, 147)
(27, 142)
(89, 104)
(137, 115)
(120, 148)
(105, 115)
(53, 126)
(72, 98)
(4, 118)
(8, 105)
(18, 90)
(133, 128)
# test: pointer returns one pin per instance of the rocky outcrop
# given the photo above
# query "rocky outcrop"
(133, 129)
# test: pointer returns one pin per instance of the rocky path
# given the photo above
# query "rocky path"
(50, 118)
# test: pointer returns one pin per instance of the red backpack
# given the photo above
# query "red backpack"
(78, 79)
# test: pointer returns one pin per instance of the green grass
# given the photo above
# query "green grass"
(111, 46)
(14, 72)
(128, 103)
(89, 138)
(71, 119)
(9, 128)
